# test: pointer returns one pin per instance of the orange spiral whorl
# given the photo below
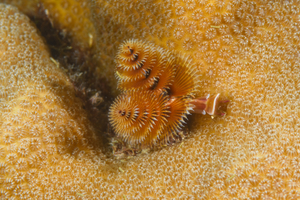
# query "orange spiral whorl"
(132, 55)
(136, 116)
(158, 86)
(179, 108)
(186, 79)
(142, 66)
(135, 60)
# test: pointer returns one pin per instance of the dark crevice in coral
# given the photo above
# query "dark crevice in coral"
(78, 64)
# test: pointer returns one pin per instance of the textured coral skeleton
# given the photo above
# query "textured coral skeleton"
(249, 50)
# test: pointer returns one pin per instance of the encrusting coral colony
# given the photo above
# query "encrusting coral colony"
(248, 50)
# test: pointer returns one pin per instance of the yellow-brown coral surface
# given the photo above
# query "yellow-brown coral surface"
(42, 125)
(249, 50)
(70, 17)
(28, 7)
